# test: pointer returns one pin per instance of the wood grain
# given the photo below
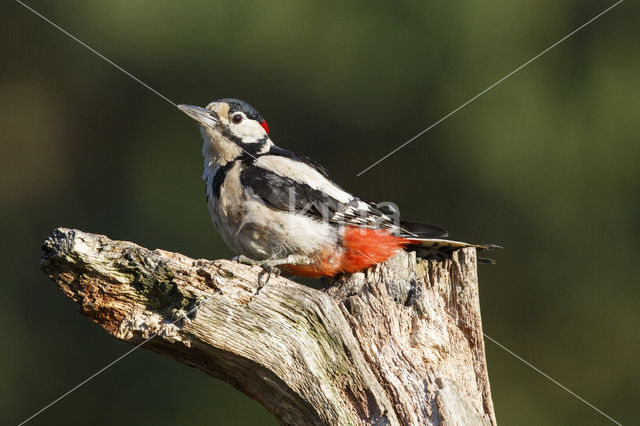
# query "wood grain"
(398, 344)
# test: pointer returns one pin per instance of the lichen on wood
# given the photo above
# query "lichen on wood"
(400, 343)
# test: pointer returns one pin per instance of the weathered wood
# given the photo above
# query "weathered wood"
(398, 344)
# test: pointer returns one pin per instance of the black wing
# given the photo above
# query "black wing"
(283, 193)
(423, 230)
(287, 194)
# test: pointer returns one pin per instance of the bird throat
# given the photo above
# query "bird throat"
(217, 150)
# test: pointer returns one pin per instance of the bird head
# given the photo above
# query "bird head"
(230, 128)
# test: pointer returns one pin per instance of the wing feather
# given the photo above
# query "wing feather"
(289, 183)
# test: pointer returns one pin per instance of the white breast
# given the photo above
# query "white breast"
(250, 227)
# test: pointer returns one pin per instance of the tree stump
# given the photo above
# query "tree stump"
(398, 344)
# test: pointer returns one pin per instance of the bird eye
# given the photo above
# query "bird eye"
(237, 119)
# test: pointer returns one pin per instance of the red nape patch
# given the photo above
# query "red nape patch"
(264, 126)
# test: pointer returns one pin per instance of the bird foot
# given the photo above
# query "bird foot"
(241, 258)
(268, 266)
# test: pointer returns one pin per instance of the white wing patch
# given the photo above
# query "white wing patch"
(353, 211)
(302, 173)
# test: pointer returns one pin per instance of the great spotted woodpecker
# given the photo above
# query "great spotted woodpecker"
(276, 208)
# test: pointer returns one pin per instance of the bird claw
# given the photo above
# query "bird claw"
(267, 267)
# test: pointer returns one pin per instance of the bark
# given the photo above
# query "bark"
(399, 344)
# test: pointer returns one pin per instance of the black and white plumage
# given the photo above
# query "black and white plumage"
(281, 208)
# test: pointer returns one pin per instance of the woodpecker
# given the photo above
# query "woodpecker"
(279, 209)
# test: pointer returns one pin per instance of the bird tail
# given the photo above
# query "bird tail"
(441, 249)
(429, 242)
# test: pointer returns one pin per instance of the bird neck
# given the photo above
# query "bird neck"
(217, 150)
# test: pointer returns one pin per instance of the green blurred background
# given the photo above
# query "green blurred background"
(545, 164)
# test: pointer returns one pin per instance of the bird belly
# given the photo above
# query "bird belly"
(359, 249)
(264, 233)
(250, 227)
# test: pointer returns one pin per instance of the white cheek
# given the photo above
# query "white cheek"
(249, 131)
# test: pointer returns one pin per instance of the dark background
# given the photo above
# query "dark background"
(545, 164)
